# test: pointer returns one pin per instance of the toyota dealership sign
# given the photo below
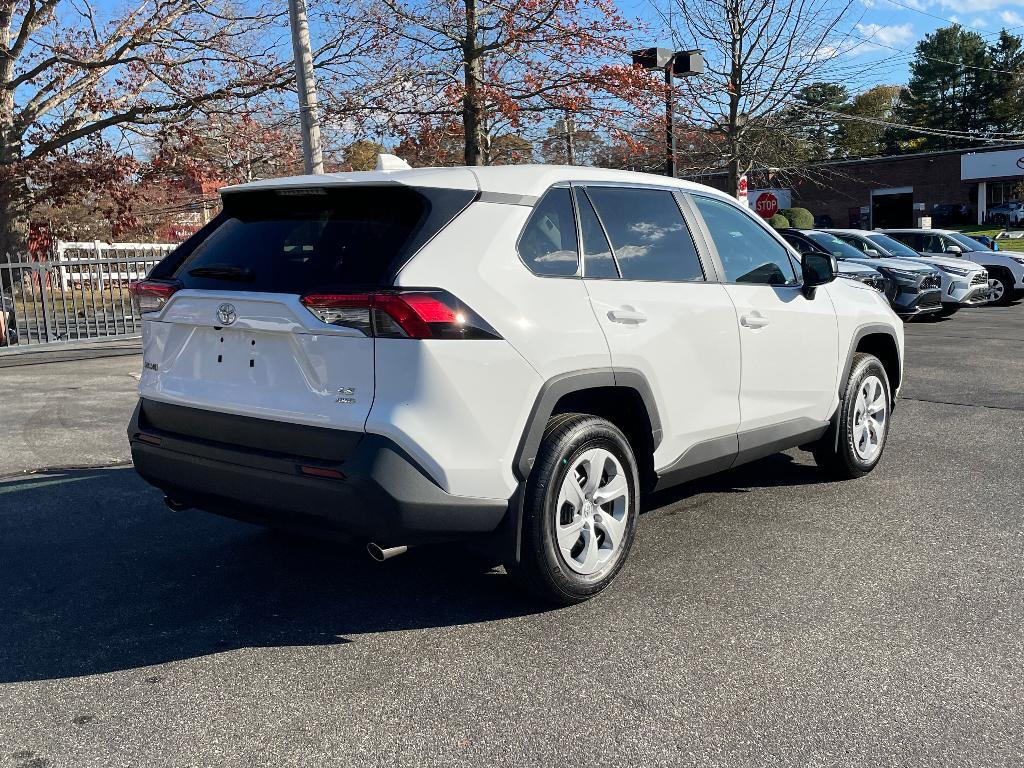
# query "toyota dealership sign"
(767, 202)
(992, 165)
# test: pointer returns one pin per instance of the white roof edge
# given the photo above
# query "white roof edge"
(457, 178)
(513, 179)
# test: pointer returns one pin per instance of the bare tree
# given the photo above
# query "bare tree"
(74, 71)
(759, 54)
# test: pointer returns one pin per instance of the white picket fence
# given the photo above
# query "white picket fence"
(97, 262)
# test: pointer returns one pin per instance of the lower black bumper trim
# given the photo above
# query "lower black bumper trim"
(384, 496)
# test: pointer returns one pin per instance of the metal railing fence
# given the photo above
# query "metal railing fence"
(80, 294)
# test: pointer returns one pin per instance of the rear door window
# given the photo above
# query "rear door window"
(648, 234)
(295, 241)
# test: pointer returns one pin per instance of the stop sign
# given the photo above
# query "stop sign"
(766, 205)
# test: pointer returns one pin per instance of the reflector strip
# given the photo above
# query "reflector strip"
(331, 474)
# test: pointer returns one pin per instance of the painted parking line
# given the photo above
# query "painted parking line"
(14, 486)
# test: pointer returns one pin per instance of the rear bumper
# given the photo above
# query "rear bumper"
(377, 492)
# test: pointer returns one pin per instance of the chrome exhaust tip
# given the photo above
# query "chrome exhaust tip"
(380, 554)
(175, 506)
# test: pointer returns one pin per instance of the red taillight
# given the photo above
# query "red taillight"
(413, 314)
(151, 295)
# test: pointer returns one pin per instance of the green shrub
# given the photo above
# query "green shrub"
(778, 221)
(800, 218)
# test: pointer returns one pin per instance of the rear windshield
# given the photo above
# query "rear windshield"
(295, 241)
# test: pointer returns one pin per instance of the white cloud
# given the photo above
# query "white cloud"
(1011, 18)
(886, 35)
(976, 5)
(979, 23)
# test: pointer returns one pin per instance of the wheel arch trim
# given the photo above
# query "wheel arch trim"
(557, 387)
(871, 329)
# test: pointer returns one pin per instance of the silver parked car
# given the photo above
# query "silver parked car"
(1005, 272)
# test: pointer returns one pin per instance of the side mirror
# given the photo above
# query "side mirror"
(818, 269)
(874, 253)
(954, 249)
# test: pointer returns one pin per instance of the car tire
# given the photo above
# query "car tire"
(854, 443)
(1000, 288)
(573, 544)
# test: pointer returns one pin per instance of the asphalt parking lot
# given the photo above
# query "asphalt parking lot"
(766, 617)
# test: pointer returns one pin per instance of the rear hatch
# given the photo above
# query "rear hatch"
(227, 326)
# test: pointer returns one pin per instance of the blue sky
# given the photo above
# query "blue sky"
(883, 33)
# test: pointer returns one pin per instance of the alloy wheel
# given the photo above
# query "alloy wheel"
(869, 419)
(592, 511)
(995, 290)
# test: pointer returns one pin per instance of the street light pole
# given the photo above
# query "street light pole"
(670, 120)
(312, 151)
(674, 64)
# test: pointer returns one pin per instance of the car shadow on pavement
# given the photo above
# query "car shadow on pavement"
(777, 470)
(99, 576)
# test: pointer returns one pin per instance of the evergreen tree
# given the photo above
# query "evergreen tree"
(1006, 102)
(950, 86)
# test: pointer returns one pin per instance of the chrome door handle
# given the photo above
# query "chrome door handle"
(754, 320)
(626, 316)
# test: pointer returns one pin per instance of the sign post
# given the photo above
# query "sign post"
(741, 190)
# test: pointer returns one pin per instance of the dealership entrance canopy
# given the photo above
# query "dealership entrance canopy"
(949, 187)
(1003, 170)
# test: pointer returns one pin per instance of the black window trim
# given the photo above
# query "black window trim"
(578, 189)
(710, 275)
(713, 250)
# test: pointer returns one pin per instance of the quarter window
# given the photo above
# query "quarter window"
(748, 253)
(648, 234)
(548, 244)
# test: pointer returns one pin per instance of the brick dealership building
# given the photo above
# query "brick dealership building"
(955, 185)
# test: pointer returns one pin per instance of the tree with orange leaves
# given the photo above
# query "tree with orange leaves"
(506, 67)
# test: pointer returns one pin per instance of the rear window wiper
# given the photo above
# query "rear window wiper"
(224, 272)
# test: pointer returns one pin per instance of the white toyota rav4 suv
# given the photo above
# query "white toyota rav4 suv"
(508, 356)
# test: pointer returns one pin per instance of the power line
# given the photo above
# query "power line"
(910, 54)
(1001, 139)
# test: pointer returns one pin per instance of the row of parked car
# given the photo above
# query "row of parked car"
(923, 272)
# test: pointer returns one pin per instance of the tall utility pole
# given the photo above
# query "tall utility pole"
(570, 139)
(312, 151)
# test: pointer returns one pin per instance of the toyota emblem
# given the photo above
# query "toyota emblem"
(226, 314)
(1020, 162)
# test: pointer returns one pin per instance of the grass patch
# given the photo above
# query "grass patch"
(986, 229)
